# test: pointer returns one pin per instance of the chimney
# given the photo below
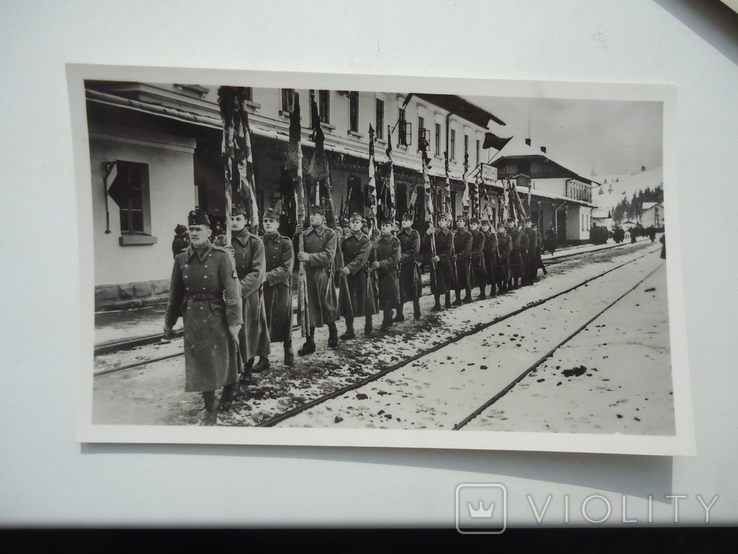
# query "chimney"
(527, 141)
(543, 149)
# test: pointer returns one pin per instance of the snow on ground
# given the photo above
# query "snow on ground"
(282, 387)
(615, 377)
(440, 389)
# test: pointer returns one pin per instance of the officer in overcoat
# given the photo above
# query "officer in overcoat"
(504, 248)
(515, 259)
(355, 296)
(387, 260)
(279, 257)
(248, 251)
(410, 259)
(490, 256)
(320, 249)
(442, 269)
(462, 248)
(531, 260)
(205, 292)
(478, 269)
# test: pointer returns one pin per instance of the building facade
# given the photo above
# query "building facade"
(155, 153)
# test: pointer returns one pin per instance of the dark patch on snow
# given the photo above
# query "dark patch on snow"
(540, 380)
(482, 367)
(574, 372)
(338, 419)
(382, 393)
(619, 416)
(650, 289)
(361, 396)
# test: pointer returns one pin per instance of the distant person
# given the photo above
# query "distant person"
(633, 234)
(662, 240)
(181, 239)
(550, 244)
(652, 233)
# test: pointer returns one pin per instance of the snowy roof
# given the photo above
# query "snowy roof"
(648, 205)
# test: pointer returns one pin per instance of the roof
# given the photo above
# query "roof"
(516, 149)
(648, 205)
(464, 108)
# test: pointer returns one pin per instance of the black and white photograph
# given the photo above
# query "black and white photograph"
(345, 260)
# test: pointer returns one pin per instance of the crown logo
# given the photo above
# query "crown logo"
(481, 512)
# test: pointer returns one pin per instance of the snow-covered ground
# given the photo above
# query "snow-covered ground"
(440, 389)
(153, 393)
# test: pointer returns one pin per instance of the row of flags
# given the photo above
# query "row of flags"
(380, 199)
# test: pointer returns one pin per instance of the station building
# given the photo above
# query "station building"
(155, 154)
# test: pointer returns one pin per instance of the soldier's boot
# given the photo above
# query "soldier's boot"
(262, 365)
(332, 335)
(246, 376)
(368, 325)
(457, 302)
(482, 294)
(437, 306)
(349, 334)
(400, 317)
(211, 411)
(467, 296)
(289, 354)
(448, 300)
(309, 346)
(386, 321)
(416, 309)
(227, 396)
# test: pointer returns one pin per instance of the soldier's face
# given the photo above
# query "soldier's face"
(199, 234)
(386, 228)
(316, 219)
(238, 222)
(406, 223)
(485, 228)
(443, 223)
(474, 226)
(270, 225)
(355, 225)
(460, 223)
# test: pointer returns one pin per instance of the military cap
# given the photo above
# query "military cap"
(474, 220)
(317, 210)
(407, 216)
(198, 217)
(271, 213)
(386, 221)
(355, 217)
(238, 209)
(344, 222)
(443, 216)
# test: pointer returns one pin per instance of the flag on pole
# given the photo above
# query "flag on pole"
(493, 141)
(392, 205)
(372, 185)
(428, 191)
(244, 157)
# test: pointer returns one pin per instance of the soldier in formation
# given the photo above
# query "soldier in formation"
(356, 298)
(320, 249)
(410, 259)
(205, 293)
(385, 264)
(463, 249)
(438, 252)
(478, 268)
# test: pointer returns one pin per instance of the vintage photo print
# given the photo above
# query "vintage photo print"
(343, 260)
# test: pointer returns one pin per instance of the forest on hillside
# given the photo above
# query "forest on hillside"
(632, 209)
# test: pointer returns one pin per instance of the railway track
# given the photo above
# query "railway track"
(456, 338)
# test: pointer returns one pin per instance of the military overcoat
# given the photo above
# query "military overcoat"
(205, 293)
(478, 268)
(321, 243)
(410, 279)
(442, 275)
(251, 267)
(388, 256)
(279, 257)
(356, 295)
(463, 248)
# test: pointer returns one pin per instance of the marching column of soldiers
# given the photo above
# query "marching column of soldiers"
(236, 300)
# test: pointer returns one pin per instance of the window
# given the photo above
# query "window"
(324, 105)
(452, 146)
(354, 111)
(288, 99)
(130, 191)
(421, 133)
(466, 149)
(249, 94)
(402, 128)
(380, 118)
(477, 152)
(438, 139)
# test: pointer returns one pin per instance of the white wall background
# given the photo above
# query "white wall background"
(47, 478)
